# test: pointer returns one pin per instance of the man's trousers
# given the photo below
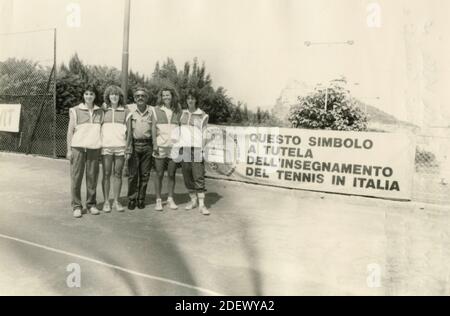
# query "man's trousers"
(139, 167)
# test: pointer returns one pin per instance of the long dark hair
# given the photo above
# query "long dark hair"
(174, 105)
(193, 93)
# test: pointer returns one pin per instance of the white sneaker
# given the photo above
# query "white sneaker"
(172, 204)
(204, 210)
(106, 207)
(118, 206)
(158, 206)
(191, 205)
(77, 213)
(94, 211)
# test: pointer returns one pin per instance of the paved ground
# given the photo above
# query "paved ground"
(258, 241)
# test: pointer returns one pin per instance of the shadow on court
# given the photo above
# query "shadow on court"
(257, 241)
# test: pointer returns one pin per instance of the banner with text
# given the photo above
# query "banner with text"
(359, 163)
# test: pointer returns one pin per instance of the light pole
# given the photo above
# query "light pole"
(326, 95)
(309, 43)
(125, 53)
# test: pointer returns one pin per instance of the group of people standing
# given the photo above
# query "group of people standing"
(139, 137)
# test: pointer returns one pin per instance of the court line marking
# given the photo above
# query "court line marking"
(144, 275)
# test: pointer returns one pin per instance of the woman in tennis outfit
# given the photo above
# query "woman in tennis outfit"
(166, 121)
(83, 150)
(114, 145)
(193, 125)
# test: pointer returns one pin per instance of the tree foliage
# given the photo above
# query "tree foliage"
(339, 113)
(23, 77)
(27, 77)
(214, 101)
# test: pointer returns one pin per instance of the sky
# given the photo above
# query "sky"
(254, 48)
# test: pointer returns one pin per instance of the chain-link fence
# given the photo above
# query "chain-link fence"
(62, 122)
(31, 82)
(432, 167)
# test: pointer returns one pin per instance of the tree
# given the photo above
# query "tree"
(22, 77)
(167, 71)
(258, 116)
(156, 71)
(215, 101)
(339, 113)
(218, 105)
(69, 91)
(77, 67)
(136, 80)
(72, 80)
(193, 76)
(245, 117)
(236, 114)
(102, 77)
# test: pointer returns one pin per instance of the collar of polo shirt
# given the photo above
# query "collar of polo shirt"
(142, 113)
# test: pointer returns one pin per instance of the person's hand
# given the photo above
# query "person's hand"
(155, 152)
(127, 156)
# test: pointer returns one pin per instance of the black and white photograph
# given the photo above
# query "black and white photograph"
(224, 148)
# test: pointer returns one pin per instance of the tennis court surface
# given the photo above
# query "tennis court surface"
(258, 241)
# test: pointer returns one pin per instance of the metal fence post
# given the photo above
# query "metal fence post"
(54, 93)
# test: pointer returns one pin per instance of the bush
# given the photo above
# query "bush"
(340, 112)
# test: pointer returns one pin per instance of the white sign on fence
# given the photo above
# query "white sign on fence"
(10, 117)
(357, 163)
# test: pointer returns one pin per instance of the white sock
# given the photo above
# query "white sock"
(201, 199)
(193, 197)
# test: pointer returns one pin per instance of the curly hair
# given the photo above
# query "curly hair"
(174, 105)
(113, 90)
